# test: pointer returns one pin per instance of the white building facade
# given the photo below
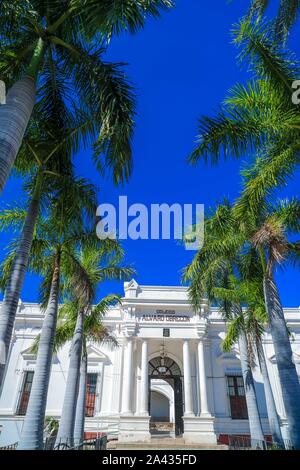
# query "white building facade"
(168, 375)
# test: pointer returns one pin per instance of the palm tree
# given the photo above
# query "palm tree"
(287, 14)
(81, 399)
(251, 321)
(262, 117)
(266, 230)
(213, 268)
(51, 47)
(71, 427)
(274, 247)
(271, 229)
(43, 157)
(99, 265)
(53, 255)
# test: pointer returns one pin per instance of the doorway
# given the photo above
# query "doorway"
(165, 370)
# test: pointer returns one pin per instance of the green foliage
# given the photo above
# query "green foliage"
(74, 35)
(287, 15)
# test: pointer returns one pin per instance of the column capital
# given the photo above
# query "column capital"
(203, 310)
(201, 329)
(129, 329)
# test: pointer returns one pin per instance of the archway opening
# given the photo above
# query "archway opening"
(165, 396)
(159, 407)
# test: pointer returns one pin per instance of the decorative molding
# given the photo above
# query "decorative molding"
(201, 328)
(129, 328)
(95, 355)
(229, 357)
(28, 355)
(131, 289)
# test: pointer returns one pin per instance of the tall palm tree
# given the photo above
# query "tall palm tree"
(100, 263)
(81, 398)
(275, 248)
(53, 254)
(211, 268)
(43, 157)
(271, 229)
(251, 321)
(71, 430)
(53, 46)
(266, 229)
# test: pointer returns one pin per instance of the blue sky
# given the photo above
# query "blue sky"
(182, 66)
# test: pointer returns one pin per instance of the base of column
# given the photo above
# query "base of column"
(145, 414)
(134, 429)
(199, 430)
(189, 415)
(205, 415)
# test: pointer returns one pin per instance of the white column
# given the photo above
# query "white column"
(144, 379)
(127, 379)
(188, 397)
(202, 380)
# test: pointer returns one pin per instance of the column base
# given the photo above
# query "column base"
(199, 430)
(205, 415)
(189, 415)
(126, 413)
(144, 414)
(134, 429)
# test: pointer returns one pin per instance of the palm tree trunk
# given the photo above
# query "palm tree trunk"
(14, 117)
(67, 420)
(32, 433)
(15, 114)
(256, 430)
(16, 278)
(274, 421)
(80, 409)
(289, 381)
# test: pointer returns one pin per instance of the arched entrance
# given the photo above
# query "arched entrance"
(167, 370)
(159, 407)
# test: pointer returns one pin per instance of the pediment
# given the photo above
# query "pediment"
(27, 354)
(95, 354)
(31, 357)
(232, 356)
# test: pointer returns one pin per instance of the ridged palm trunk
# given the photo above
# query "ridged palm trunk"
(289, 381)
(274, 421)
(81, 401)
(32, 433)
(67, 421)
(256, 430)
(14, 117)
(16, 278)
(15, 114)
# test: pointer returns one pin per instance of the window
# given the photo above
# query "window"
(25, 393)
(237, 398)
(90, 395)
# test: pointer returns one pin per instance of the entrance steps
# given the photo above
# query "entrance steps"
(163, 443)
